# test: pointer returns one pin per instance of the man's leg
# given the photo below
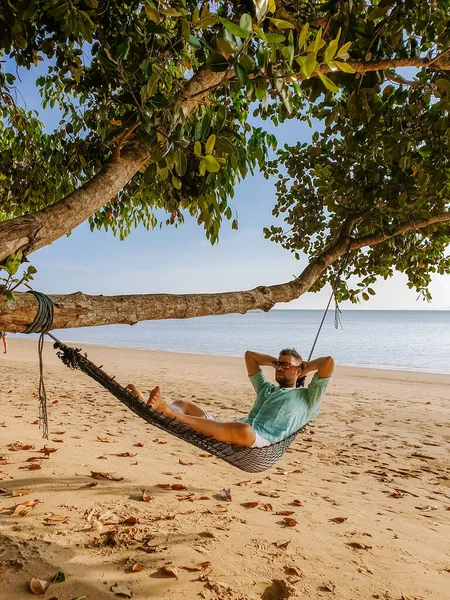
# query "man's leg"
(231, 432)
(183, 406)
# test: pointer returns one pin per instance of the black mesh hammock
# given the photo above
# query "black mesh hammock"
(252, 460)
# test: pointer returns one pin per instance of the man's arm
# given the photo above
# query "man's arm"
(254, 361)
(324, 366)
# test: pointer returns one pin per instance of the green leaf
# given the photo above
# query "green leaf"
(202, 168)
(302, 37)
(317, 41)
(345, 67)
(260, 32)
(176, 182)
(241, 74)
(245, 22)
(60, 575)
(198, 149)
(275, 38)
(207, 21)
(371, 291)
(443, 85)
(221, 116)
(206, 124)
(123, 50)
(233, 28)
(185, 29)
(224, 146)
(309, 65)
(365, 296)
(9, 296)
(330, 85)
(180, 163)
(212, 165)
(194, 42)
(217, 63)
(150, 87)
(152, 14)
(247, 62)
(150, 173)
(343, 50)
(158, 102)
(281, 23)
(261, 7)
(13, 262)
(330, 51)
(209, 146)
(164, 174)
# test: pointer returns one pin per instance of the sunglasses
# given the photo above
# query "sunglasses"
(283, 365)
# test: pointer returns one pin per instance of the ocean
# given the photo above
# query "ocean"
(407, 340)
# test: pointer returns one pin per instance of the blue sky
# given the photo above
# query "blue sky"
(183, 261)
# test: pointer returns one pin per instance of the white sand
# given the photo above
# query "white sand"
(377, 457)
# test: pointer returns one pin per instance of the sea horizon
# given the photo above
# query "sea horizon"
(406, 340)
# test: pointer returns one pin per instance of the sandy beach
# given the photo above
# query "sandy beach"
(358, 508)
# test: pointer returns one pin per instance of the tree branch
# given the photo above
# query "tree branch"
(416, 224)
(81, 310)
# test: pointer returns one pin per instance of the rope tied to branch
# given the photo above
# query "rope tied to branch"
(42, 323)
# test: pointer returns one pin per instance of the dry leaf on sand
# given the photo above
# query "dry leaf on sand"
(338, 519)
(293, 570)
(185, 462)
(25, 507)
(146, 496)
(47, 451)
(137, 567)
(38, 586)
(200, 567)
(290, 522)
(169, 571)
(358, 546)
(284, 544)
(101, 475)
(20, 492)
(126, 454)
(121, 590)
(249, 504)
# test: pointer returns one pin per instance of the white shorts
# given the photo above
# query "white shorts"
(259, 442)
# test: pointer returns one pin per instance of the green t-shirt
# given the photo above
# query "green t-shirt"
(278, 412)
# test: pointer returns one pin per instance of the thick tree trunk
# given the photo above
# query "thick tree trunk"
(34, 231)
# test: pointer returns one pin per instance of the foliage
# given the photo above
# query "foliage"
(116, 83)
(122, 76)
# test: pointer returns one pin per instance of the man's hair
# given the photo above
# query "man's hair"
(291, 352)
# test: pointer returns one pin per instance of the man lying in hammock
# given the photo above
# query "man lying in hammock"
(278, 411)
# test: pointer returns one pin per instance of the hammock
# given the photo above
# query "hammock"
(252, 460)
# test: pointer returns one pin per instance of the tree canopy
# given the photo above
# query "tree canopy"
(155, 99)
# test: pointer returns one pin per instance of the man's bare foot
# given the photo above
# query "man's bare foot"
(157, 403)
(133, 389)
